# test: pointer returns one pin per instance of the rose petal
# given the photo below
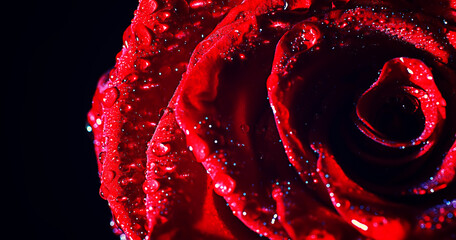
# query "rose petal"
(94, 119)
(300, 38)
(304, 217)
(442, 178)
(179, 192)
(175, 183)
(156, 48)
(218, 108)
(368, 213)
(413, 79)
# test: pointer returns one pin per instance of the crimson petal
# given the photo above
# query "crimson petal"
(156, 48)
(410, 79)
(180, 202)
(219, 106)
(379, 220)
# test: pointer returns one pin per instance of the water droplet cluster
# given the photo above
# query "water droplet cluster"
(126, 106)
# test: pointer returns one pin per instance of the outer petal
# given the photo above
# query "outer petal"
(382, 219)
(156, 49)
(180, 202)
(94, 119)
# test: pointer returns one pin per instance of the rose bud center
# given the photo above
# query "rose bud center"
(396, 116)
(403, 107)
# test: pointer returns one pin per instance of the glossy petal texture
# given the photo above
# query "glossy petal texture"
(412, 86)
(217, 125)
(294, 119)
(94, 119)
(156, 49)
(180, 202)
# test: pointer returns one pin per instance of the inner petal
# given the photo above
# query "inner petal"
(403, 107)
(393, 115)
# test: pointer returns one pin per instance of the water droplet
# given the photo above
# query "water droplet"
(88, 128)
(142, 64)
(131, 78)
(161, 149)
(170, 167)
(110, 96)
(147, 6)
(121, 199)
(163, 15)
(115, 228)
(157, 170)
(124, 181)
(279, 25)
(101, 157)
(150, 186)
(160, 28)
(223, 184)
(277, 193)
(142, 34)
(181, 35)
(104, 193)
(245, 128)
(98, 122)
(108, 176)
(136, 227)
(195, 4)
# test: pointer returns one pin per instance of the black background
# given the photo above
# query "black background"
(55, 51)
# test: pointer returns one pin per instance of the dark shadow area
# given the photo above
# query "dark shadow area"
(55, 53)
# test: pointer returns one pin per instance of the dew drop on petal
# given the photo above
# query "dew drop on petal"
(195, 4)
(245, 128)
(89, 128)
(223, 184)
(131, 78)
(108, 176)
(161, 149)
(142, 64)
(150, 186)
(124, 181)
(121, 199)
(104, 192)
(110, 96)
(101, 157)
(142, 34)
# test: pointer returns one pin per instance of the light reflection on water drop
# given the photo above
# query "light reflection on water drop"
(88, 128)
(123, 236)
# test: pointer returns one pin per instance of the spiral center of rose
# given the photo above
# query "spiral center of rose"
(403, 107)
(396, 116)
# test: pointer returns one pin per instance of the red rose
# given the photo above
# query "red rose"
(284, 120)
